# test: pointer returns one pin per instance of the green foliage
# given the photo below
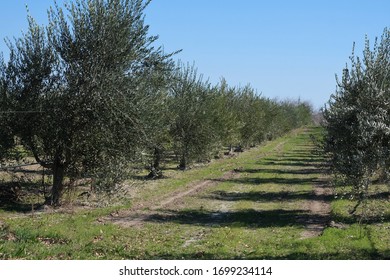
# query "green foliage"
(250, 111)
(90, 94)
(153, 111)
(357, 118)
(226, 121)
(191, 124)
(78, 83)
(204, 119)
(292, 114)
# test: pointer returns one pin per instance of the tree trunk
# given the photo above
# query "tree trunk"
(155, 172)
(183, 162)
(157, 158)
(58, 186)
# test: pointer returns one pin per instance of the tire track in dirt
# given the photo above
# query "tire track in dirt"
(320, 211)
(139, 214)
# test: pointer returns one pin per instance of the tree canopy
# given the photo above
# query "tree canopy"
(78, 82)
(357, 119)
(91, 93)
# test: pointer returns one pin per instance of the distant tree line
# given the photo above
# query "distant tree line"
(90, 93)
(357, 120)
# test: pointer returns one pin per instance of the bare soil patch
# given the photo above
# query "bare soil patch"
(320, 210)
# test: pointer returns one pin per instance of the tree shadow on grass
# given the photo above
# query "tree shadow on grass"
(303, 152)
(12, 194)
(268, 196)
(363, 254)
(301, 163)
(286, 158)
(46, 172)
(303, 171)
(363, 220)
(360, 254)
(242, 218)
(275, 181)
(23, 208)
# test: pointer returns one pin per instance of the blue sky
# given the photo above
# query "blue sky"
(284, 49)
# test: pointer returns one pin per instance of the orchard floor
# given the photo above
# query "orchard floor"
(271, 202)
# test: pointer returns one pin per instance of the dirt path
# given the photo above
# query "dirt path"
(315, 221)
(140, 213)
(144, 211)
(320, 210)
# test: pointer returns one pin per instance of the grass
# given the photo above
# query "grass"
(259, 212)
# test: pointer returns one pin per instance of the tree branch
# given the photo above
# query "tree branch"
(44, 164)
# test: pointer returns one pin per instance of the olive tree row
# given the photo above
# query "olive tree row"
(203, 119)
(90, 93)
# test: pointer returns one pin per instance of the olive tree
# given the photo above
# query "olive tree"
(357, 119)
(191, 119)
(82, 77)
(155, 117)
(6, 139)
(226, 123)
